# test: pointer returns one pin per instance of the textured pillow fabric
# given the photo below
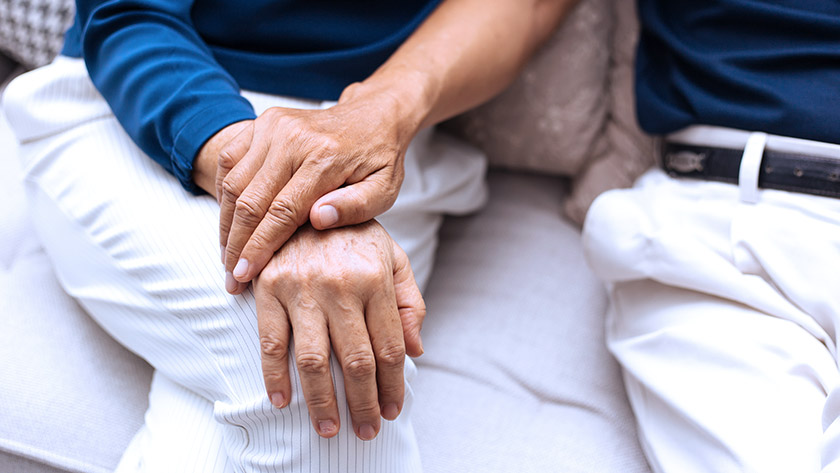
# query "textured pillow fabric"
(549, 119)
(572, 111)
(32, 31)
(625, 152)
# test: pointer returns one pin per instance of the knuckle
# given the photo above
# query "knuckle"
(391, 355)
(247, 210)
(274, 379)
(334, 280)
(224, 230)
(359, 364)
(227, 159)
(273, 346)
(364, 408)
(293, 127)
(329, 146)
(392, 391)
(313, 363)
(260, 245)
(420, 312)
(390, 195)
(284, 212)
(272, 276)
(319, 401)
(369, 276)
(230, 188)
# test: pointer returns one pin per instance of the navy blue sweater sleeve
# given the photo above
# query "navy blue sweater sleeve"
(159, 77)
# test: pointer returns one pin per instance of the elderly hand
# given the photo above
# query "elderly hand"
(334, 167)
(350, 288)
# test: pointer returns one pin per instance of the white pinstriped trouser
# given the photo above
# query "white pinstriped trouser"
(142, 256)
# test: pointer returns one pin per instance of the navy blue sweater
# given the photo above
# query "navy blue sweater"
(768, 65)
(172, 69)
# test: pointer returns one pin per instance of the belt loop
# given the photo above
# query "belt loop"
(751, 166)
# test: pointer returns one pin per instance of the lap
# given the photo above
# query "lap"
(142, 256)
(723, 316)
(716, 385)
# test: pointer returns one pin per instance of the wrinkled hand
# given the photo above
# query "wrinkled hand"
(334, 167)
(350, 288)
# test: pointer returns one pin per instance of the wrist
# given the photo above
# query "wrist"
(206, 163)
(408, 94)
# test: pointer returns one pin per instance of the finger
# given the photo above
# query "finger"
(232, 286)
(288, 211)
(233, 185)
(410, 302)
(312, 356)
(232, 153)
(352, 347)
(386, 338)
(273, 325)
(354, 204)
(251, 207)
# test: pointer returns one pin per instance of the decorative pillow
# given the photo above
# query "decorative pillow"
(572, 111)
(549, 119)
(626, 152)
(32, 31)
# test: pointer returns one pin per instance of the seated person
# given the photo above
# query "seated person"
(723, 264)
(326, 136)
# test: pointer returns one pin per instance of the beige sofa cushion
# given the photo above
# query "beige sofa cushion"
(624, 152)
(572, 111)
(549, 119)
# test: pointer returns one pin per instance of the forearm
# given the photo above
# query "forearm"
(466, 52)
(159, 77)
(463, 54)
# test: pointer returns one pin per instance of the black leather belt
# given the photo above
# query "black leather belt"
(793, 172)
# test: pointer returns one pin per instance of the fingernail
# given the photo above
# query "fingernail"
(328, 214)
(366, 432)
(278, 400)
(241, 268)
(222, 253)
(326, 426)
(230, 283)
(391, 411)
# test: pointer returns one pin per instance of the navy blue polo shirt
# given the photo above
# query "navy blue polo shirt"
(172, 70)
(761, 65)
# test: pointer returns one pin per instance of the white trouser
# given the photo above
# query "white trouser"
(724, 316)
(142, 256)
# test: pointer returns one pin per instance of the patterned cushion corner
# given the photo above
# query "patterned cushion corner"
(32, 31)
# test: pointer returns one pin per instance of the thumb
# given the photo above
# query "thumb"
(353, 204)
(410, 303)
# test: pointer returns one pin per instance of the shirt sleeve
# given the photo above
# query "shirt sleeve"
(159, 77)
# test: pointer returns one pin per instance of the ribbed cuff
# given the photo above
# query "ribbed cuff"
(200, 128)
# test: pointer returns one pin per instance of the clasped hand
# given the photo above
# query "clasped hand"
(351, 288)
(334, 167)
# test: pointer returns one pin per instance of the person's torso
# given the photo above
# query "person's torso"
(310, 49)
(762, 65)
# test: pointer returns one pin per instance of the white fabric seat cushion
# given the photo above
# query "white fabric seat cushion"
(516, 375)
(72, 397)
